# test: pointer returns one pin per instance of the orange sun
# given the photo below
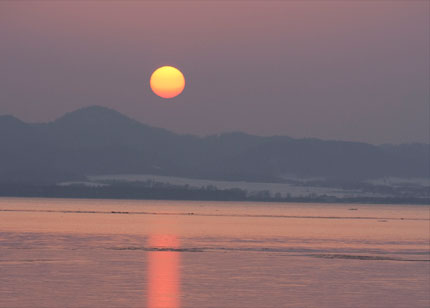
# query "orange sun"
(167, 82)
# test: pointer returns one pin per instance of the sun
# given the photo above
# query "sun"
(167, 82)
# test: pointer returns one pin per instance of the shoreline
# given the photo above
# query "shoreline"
(169, 194)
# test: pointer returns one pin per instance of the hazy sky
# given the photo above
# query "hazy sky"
(348, 70)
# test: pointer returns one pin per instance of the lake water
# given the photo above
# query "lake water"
(171, 254)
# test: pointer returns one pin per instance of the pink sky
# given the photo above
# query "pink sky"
(349, 70)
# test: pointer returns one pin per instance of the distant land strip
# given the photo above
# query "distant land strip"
(135, 191)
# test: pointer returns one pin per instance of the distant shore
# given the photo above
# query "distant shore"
(172, 192)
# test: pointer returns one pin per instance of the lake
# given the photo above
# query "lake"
(171, 254)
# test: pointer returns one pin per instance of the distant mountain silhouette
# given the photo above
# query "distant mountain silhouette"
(97, 140)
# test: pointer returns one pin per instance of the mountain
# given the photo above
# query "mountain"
(97, 140)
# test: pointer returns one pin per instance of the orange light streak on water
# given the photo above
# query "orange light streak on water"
(163, 272)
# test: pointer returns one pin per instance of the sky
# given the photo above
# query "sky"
(343, 70)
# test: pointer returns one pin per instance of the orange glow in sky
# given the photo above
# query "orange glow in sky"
(167, 82)
(163, 273)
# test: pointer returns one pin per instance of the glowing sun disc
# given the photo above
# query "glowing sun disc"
(167, 82)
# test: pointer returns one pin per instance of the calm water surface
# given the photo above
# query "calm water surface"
(110, 253)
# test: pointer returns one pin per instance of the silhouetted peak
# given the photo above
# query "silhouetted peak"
(104, 123)
(96, 117)
(95, 113)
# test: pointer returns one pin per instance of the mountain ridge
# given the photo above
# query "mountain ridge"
(99, 140)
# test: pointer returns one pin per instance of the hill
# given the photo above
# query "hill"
(97, 140)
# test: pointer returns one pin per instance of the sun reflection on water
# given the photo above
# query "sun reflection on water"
(163, 272)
